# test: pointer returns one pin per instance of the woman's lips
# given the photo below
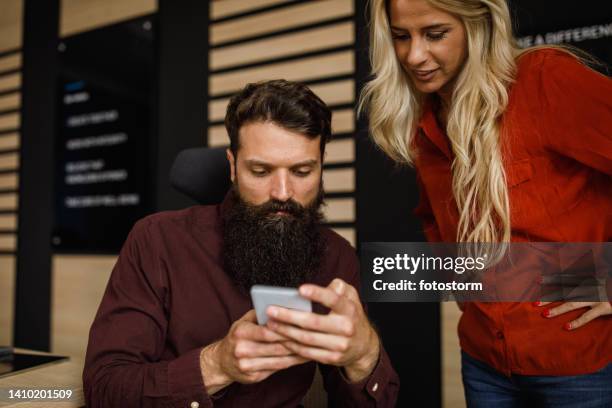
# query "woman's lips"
(425, 75)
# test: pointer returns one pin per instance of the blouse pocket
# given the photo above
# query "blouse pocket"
(527, 210)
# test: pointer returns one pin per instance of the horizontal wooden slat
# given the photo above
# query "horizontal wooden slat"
(9, 161)
(82, 15)
(8, 221)
(8, 201)
(12, 61)
(340, 151)
(10, 101)
(339, 209)
(339, 180)
(332, 93)
(8, 242)
(10, 81)
(276, 20)
(282, 46)
(225, 8)
(347, 233)
(338, 63)
(343, 121)
(9, 141)
(9, 181)
(11, 18)
(9, 121)
(7, 298)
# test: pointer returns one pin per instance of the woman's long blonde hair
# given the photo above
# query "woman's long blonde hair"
(479, 99)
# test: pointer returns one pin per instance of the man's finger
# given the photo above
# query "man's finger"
(269, 363)
(314, 353)
(250, 316)
(327, 297)
(331, 323)
(311, 338)
(250, 349)
(254, 332)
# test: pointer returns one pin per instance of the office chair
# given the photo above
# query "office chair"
(202, 173)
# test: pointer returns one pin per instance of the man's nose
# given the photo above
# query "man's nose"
(419, 50)
(281, 187)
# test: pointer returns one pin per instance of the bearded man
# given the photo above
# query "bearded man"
(176, 326)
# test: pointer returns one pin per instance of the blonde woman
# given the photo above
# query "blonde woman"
(509, 145)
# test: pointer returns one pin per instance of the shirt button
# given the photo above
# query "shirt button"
(499, 335)
(375, 387)
(194, 404)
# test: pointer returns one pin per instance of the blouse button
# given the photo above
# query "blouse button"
(194, 404)
(375, 387)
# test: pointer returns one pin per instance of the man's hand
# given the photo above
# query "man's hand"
(596, 309)
(247, 354)
(344, 337)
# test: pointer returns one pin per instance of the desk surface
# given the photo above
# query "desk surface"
(64, 375)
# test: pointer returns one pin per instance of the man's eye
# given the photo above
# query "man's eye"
(259, 172)
(436, 35)
(302, 173)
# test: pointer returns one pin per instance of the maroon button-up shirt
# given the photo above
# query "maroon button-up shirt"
(168, 297)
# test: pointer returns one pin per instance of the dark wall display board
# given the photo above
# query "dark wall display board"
(582, 24)
(105, 135)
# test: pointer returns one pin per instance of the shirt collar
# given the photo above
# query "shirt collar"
(429, 126)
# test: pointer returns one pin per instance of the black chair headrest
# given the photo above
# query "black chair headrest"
(202, 173)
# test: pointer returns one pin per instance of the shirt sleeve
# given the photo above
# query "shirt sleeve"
(123, 365)
(425, 214)
(579, 100)
(381, 387)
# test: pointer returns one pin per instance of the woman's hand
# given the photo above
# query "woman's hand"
(596, 309)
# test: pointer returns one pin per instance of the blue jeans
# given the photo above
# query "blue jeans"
(486, 387)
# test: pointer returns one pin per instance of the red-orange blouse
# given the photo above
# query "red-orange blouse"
(556, 139)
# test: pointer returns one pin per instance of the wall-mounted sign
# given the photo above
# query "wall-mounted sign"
(105, 131)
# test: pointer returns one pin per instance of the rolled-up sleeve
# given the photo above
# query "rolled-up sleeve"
(124, 365)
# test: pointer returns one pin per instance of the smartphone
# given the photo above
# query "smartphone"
(264, 296)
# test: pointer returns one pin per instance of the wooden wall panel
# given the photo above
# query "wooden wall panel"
(315, 39)
(78, 284)
(9, 121)
(9, 141)
(8, 242)
(7, 298)
(9, 181)
(276, 20)
(339, 180)
(340, 63)
(452, 385)
(8, 221)
(339, 209)
(83, 15)
(224, 8)
(9, 161)
(340, 151)
(10, 24)
(12, 61)
(8, 201)
(10, 101)
(8, 82)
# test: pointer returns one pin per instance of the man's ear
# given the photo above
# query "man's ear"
(232, 162)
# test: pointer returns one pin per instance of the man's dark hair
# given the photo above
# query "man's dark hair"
(290, 105)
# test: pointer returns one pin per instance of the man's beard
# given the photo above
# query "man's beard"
(261, 247)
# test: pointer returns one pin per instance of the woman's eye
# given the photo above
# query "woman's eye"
(436, 35)
(400, 37)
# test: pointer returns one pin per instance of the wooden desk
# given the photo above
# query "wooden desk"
(61, 375)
